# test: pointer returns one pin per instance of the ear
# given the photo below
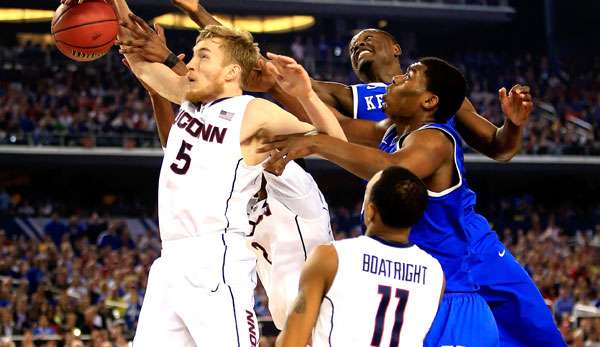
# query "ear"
(397, 50)
(429, 101)
(370, 213)
(233, 71)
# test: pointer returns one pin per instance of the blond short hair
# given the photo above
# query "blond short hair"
(239, 46)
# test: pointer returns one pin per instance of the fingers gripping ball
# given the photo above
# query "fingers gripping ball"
(85, 32)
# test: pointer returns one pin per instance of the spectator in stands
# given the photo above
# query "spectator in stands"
(55, 229)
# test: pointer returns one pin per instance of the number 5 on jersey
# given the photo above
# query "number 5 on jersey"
(182, 158)
(386, 293)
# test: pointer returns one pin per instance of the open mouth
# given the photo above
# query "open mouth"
(361, 53)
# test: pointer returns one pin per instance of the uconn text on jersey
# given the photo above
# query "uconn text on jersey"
(199, 129)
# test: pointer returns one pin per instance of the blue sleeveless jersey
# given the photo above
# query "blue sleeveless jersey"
(368, 101)
(450, 227)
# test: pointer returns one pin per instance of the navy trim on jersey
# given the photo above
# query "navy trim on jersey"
(332, 312)
(218, 101)
(231, 192)
(224, 255)
(227, 219)
(301, 237)
(234, 317)
(392, 243)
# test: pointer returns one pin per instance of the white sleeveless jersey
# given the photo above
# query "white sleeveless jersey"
(204, 186)
(384, 294)
(287, 226)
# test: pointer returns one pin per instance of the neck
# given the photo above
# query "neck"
(410, 124)
(383, 73)
(399, 235)
(226, 93)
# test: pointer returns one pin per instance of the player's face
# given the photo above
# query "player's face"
(206, 71)
(404, 97)
(368, 47)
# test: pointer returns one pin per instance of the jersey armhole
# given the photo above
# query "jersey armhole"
(354, 101)
(455, 145)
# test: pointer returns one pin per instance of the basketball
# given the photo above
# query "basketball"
(85, 32)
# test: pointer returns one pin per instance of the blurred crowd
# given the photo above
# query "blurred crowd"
(85, 277)
(46, 99)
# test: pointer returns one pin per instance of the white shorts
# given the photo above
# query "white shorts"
(187, 304)
(282, 242)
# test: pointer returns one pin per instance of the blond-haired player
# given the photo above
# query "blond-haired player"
(200, 291)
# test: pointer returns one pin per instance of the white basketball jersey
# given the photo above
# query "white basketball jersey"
(205, 185)
(288, 225)
(384, 294)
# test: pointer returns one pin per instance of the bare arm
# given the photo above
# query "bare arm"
(423, 153)
(497, 143)
(196, 12)
(156, 75)
(316, 278)
(292, 77)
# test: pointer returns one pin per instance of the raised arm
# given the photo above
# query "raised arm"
(157, 76)
(316, 279)
(196, 12)
(497, 143)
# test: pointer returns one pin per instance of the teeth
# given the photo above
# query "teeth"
(362, 53)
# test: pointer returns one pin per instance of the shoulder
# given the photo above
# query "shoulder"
(429, 259)
(431, 139)
(261, 108)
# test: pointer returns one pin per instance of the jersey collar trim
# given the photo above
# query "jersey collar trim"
(392, 243)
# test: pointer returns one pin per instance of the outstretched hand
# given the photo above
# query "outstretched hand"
(289, 75)
(143, 40)
(284, 148)
(261, 79)
(517, 104)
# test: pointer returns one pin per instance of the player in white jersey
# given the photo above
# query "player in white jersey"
(289, 220)
(374, 290)
(200, 291)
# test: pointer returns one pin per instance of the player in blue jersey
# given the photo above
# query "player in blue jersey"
(418, 105)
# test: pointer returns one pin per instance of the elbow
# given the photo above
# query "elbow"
(503, 156)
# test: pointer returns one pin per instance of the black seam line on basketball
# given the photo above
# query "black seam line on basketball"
(234, 316)
(332, 312)
(301, 238)
(86, 47)
(56, 20)
(84, 24)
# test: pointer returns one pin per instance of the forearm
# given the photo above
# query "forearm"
(359, 160)
(202, 17)
(290, 103)
(163, 116)
(321, 116)
(507, 142)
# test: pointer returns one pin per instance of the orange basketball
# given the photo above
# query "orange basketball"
(85, 32)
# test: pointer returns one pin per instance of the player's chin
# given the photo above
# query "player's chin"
(195, 95)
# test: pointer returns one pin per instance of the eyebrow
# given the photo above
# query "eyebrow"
(203, 49)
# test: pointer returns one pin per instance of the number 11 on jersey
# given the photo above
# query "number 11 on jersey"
(386, 293)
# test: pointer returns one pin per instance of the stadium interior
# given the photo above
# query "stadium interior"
(80, 155)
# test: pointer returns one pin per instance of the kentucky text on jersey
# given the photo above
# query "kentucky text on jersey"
(198, 129)
(368, 101)
(394, 269)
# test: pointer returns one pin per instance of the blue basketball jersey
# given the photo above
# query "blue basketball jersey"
(450, 226)
(368, 101)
